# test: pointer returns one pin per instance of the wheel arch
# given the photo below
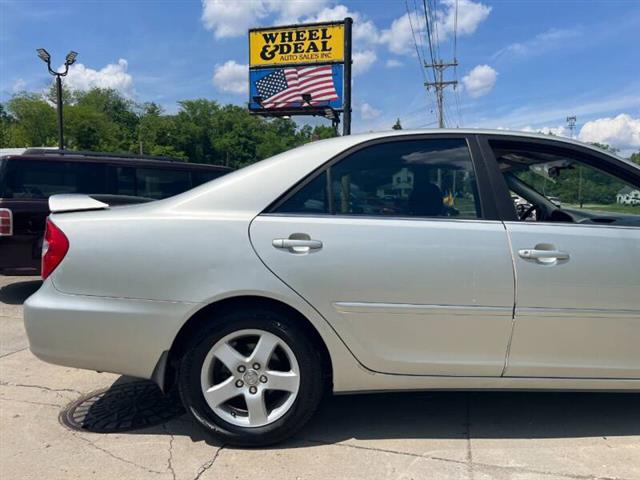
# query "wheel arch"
(164, 373)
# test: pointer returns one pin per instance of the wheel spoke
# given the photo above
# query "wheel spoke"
(285, 381)
(256, 408)
(229, 356)
(221, 392)
(264, 349)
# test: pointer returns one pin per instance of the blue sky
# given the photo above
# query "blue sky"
(523, 64)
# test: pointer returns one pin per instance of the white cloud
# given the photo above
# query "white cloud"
(399, 37)
(470, 15)
(364, 31)
(363, 60)
(19, 86)
(367, 112)
(113, 76)
(480, 80)
(559, 131)
(291, 11)
(541, 43)
(231, 18)
(393, 63)
(622, 132)
(231, 77)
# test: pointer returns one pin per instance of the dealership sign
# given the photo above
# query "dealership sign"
(301, 70)
(296, 45)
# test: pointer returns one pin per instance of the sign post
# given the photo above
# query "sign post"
(346, 124)
(302, 70)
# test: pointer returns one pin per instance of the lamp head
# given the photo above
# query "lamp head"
(43, 55)
(70, 58)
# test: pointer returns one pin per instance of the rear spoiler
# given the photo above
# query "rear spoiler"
(74, 202)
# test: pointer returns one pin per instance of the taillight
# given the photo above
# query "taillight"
(6, 222)
(54, 248)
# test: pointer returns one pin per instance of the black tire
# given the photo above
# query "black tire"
(311, 377)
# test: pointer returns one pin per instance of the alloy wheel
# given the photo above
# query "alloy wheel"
(250, 378)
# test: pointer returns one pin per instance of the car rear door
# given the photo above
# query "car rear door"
(577, 304)
(397, 245)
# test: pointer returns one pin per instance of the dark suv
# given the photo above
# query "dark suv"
(28, 180)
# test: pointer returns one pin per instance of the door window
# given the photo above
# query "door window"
(558, 187)
(410, 178)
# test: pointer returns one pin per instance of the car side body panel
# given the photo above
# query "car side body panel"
(579, 317)
(412, 296)
(99, 311)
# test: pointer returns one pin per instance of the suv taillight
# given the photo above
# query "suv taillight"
(54, 247)
(6, 222)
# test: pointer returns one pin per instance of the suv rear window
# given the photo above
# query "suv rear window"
(41, 179)
(32, 179)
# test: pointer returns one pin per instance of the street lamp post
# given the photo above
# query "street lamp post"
(68, 61)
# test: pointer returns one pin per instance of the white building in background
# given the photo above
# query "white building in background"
(628, 196)
(400, 186)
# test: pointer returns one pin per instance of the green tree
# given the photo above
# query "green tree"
(635, 157)
(34, 121)
(397, 125)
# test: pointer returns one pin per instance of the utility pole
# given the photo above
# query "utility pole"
(439, 84)
(571, 123)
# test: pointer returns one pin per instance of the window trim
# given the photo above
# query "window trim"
(486, 199)
(584, 154)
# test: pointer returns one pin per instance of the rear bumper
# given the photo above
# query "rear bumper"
(118, 335)
(20, 255)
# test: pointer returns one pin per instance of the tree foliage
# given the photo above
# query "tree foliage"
(201, 131)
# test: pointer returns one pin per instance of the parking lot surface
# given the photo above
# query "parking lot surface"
(457, 435)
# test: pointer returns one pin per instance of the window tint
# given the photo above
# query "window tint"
(198, 177)
(40, 179)
(312, 198)
(419, 178)
(156, 183)
(125, 181)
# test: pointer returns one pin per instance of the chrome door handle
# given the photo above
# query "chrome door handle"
(297, 245)
(535, 254)
(292, 243)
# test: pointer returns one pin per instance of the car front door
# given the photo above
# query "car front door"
(396, 245)
(577, 264)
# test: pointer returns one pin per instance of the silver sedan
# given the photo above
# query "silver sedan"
(384, 261)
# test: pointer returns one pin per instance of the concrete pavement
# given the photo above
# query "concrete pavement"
(474, 436)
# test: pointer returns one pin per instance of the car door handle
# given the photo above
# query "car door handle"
(535, 254)
(297, 245)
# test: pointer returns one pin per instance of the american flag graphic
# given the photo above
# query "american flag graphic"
(285, 87)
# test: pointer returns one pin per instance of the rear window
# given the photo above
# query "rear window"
(23, 178)
(203, 176)
(41, 179)
(157, 183)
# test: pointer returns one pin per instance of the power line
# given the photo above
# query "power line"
(415, 42)
(438, 66)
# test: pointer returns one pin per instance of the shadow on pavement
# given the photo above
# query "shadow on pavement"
(16, 293)
(454, 415)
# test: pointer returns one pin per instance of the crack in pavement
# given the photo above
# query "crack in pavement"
(11, 353)
(113, 455)
(206, 466)
(468, 435)
(170, 459)
(489, 466)
(48, 389)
